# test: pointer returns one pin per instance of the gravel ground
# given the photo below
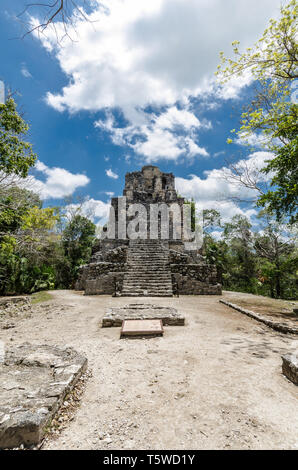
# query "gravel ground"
(215, 383)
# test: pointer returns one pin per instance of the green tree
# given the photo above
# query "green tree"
(15, 202)
(283, 198)
(27, 263)
(277, 255)
(272, 62)
(240, 257)
(211, 219)
(78, 237)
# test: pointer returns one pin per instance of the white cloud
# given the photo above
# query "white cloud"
(137, 54)
(253, 140)
(217, 235)
(168, 135)
(93, 209)
(109, 193)
(111, 174)
(218, 154)
(25, 72)
(58, 183)
(215, 191)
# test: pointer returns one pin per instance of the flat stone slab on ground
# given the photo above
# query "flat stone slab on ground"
(141, 328)
(115, 315)
(290, 367)
(33, 383)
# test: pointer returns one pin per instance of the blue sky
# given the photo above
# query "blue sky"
(134, 87)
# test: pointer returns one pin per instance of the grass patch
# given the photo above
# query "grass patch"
(41, 296)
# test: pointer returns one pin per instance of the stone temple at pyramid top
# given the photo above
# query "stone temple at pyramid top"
(150, 185)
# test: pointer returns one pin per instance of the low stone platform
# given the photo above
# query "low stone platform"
(33, 383)
(116, 315)
(290, 367)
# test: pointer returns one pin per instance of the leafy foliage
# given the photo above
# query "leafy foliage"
(273, 64)
(34, 256)
(78, 237)
(16, 155)
(263, 262)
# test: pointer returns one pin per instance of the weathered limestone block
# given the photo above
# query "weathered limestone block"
(104, 284)
(98, 270)
(195, 279)
(205, 273)
(33, 383)
(290, 367)
(169, 315)
(115, 255)
(185, 257)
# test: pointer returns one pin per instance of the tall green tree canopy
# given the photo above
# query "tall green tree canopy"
(78, 237)
(16, 154)
(273, 112)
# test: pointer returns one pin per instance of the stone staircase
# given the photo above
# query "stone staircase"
(147, 271)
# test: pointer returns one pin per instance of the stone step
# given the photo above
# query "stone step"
(142, 290)
(147, 276)
(162, 277)
(146, 286)
(147, 258)
(147, 255)
(147, 282)
(148, 290)
(152, 272)
(148, 273)
(147, 262)
(147, 294)
(137, 294)
(146, 242)
(147, 265)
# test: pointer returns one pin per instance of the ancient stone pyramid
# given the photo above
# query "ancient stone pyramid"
(154, 260)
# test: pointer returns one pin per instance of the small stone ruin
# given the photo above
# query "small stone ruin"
(116, 315)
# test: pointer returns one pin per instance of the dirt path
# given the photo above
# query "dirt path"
(214, 383)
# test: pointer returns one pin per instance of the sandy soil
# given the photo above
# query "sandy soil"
(214, 383)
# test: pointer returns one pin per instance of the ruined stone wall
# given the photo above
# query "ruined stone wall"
(195, 279)
(104, 266)
(105, 284)
(150, 181)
